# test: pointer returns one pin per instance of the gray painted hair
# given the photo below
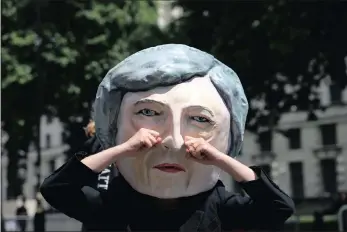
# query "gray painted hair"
(166, 65)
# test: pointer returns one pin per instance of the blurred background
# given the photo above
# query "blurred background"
(291, 57)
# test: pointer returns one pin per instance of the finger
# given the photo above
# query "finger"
(192, 145)
(191, 149)
(197, 144)
(202, 150)
(152, 139)
(154, 133)
(195, 141)
(148, 143)
(191, 157)
(190, 142)
(159, 140)
(155, 140)
(188, 139)
(196, 154)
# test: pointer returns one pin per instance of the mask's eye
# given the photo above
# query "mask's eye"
(148, 112)
(200, 119)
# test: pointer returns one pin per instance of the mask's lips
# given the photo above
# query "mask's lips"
(168, 167)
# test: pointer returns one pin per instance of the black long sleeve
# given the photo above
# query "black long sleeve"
(70, 190)
(265, 208)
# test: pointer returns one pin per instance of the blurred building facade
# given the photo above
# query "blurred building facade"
(306, 158)
(52, 156)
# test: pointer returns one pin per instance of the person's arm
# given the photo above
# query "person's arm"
(63, 189)
(266, 207)
(103, 159)
(237, 170)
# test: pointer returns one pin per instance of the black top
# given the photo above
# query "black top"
(93, 146)
(71, 189)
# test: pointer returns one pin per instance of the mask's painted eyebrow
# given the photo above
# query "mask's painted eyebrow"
(149, 101)
(202, 108)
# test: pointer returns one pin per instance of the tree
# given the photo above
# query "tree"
(280, 49)
(54, 55)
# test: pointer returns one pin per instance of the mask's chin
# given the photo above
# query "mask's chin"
(177, 186)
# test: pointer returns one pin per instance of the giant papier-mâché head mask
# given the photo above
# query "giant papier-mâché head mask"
(177, 91)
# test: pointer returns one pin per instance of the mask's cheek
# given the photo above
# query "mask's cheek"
(203, 177)
(140, 169)
(206, 135)
(220, 139)
(135, 168)
(125, 129)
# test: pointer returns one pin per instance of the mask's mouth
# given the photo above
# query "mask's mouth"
(170, 168)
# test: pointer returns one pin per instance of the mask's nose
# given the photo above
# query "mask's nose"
(173, 139)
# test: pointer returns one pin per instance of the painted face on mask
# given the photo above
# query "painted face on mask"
(192, 108)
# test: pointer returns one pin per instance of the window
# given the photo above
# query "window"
(265, 140)
(52, 165)
(335, 94)
(329, 180)
(49, 120)
(294, 138)
(297, 180)
(328, 134)
(48, 140)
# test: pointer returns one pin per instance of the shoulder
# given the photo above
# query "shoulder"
(222, 206)
(89, 147)
(92, 145)
(220, 199)
(222, 196)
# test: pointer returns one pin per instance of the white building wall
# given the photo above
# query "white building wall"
(55, 152)
(310, 141)
(49, 152)
(54, 128)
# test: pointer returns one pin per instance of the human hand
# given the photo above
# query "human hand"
(143, 139)
(201, 151)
